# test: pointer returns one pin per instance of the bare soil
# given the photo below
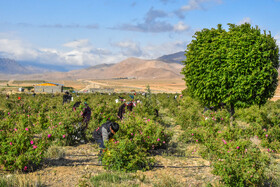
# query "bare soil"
(179, 165)
(81, 161)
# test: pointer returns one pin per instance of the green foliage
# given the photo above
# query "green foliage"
(189, 113)
(126, 155)
(239, 153)
(233, 156)
(28, 126)
(237, 67)
(145, 132)
(241, 164)
(243, 160)
(137, 135)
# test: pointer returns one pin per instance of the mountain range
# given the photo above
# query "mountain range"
(9, 66)
(167, 66)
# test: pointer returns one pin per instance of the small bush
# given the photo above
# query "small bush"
(126, 155)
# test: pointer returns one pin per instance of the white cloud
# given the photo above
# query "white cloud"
(197, 4)
(83, 43)
(154, 51)
(13, 48)
(74, 53)
(277, 38)
(82, 52)
(180, 26)
(194, 5)
(245, 20)
(129, 48)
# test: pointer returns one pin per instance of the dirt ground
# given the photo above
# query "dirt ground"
(81, 161)
(177, 166)
(127, 85)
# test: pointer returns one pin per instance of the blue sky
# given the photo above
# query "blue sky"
(89, 32)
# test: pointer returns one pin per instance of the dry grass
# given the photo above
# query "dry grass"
(17, 180)
(255, 140)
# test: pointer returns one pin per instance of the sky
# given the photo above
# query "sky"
(83, 33)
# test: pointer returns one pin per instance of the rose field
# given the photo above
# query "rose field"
(38, 136)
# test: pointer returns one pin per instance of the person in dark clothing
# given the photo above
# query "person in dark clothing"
(129, 106)
(65, 97)
(104, 133)
(121, 111)
(86, 113)
(156, 112)
(121, 99)
(76, 105)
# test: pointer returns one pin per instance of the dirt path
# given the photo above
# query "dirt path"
(69, 170)
(179, 165)
(81, 162)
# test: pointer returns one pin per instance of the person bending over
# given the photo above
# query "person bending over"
(104, 133)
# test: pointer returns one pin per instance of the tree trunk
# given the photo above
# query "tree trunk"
(232, 111)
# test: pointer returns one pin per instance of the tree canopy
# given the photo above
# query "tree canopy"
(237, 67)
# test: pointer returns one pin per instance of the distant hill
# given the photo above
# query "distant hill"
(129, 68)
(9, 66)
(100, 66)
(173, 58)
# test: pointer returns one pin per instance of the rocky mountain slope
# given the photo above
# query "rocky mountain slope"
(9, 66)
(173, 58)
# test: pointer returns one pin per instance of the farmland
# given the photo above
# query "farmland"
(181, 146)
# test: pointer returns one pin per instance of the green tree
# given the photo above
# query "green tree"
(237, 67)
